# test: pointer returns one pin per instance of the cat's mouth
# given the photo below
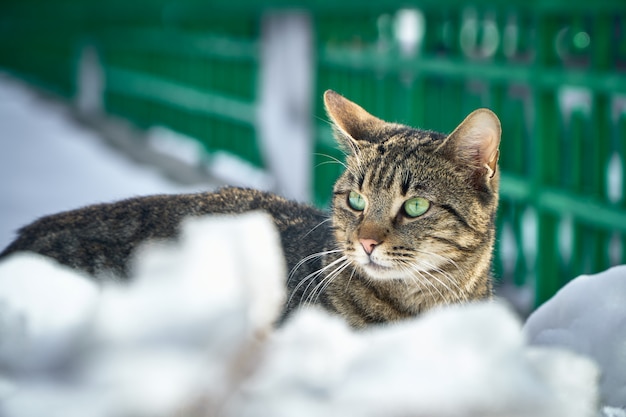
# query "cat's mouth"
(377, 267)
(378, 271)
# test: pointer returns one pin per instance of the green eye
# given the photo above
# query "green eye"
(415, 207)
(356, 201)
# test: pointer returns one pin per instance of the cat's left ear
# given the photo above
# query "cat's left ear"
(475, 141)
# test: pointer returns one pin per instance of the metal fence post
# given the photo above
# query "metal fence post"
(547, 119)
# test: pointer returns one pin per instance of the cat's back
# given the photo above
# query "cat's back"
(102, 237)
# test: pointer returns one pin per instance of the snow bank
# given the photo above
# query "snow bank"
(460, 361)
(176, 337)
(45, 311)
(588, 316)
(190, 335)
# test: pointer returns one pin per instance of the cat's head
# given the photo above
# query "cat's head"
(413, 201)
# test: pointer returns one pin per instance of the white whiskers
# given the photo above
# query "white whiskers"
(318, 225)
(325, 282)
(332, 160)
(312, 276)
(452, 291)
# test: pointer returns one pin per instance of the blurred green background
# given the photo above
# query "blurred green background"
(554, 72)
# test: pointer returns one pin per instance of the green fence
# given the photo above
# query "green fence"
(554, 71)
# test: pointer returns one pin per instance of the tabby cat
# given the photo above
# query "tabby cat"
(411, 225)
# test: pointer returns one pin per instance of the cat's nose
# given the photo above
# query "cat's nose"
(368, 245)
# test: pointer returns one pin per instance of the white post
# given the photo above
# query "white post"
(284, 117)
(89, 82)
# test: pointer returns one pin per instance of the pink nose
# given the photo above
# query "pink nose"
(368, 245)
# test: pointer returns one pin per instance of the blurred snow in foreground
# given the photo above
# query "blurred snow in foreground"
(191, 335)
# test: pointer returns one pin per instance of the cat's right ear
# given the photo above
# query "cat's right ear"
(352, 124)
(476, 140)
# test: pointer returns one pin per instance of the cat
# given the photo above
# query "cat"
(411, 224)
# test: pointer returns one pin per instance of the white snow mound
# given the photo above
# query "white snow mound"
(588, 316)
(458, 361)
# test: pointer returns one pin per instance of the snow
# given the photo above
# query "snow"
(26, 284)
(588, 316)
(175, 336)
(461, 361)
(48, 163)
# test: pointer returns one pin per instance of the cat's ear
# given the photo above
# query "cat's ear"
(475, 141)
(351, 122)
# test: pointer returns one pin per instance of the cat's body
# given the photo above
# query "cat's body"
(412, 223)
(101, 239)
